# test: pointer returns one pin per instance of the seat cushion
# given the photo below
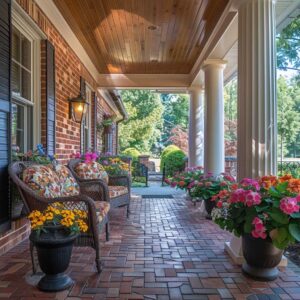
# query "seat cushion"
(42, 180)
(102, 209)
(117, 190)
(69, 186)
(92, 170)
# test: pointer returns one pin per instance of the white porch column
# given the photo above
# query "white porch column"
(196, 126)
(214, 153)
(257, 128)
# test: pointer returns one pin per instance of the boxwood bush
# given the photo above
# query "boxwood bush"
(174, 162)
(133, 153)
(164, 154)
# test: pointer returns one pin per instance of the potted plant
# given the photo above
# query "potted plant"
(208, 187)
(107, 123)
(114, 166)
(265, 213)
(54, 231)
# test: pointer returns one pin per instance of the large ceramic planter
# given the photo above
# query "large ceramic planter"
(262, 258)
(209, 205)
(54, 250)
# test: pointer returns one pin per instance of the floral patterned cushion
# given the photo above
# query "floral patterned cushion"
(43, 180)
(117, 190)
(102, 209)
(69, 186)
(92, 170)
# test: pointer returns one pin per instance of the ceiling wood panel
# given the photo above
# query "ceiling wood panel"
(142, 37)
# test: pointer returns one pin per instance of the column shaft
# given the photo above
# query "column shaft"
(214, 153)
(257, 128)
(196, 127)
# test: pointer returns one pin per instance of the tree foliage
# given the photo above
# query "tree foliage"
(144, 125)
(288, 46)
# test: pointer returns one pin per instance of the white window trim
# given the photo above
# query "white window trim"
(30, 30)
(90, 89)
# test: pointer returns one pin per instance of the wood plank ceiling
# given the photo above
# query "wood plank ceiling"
(142, 36)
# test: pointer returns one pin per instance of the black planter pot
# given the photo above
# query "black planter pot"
(262, 258)
(209, 205)
(54, 250)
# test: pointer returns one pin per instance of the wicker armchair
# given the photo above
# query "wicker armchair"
(98, 189)
(32, 201)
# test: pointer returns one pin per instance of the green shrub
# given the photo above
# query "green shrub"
(132, 152)
(174, 162)
(165, 152)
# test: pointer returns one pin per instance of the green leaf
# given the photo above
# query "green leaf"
(295, 215)
(278, 216)
(294, 230)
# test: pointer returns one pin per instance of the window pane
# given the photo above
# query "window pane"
(16, 79)
(26, 52)
(18, 127)
(16, 44)
(29, 127)
(26, 84)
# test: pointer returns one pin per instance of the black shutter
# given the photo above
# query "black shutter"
(50, 97)
(5, 110)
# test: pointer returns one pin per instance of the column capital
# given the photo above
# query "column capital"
(196, 88)
(214, 62)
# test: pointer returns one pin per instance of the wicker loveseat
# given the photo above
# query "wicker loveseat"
(24, 177)
(114, 189)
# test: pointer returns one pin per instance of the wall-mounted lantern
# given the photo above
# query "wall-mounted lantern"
(77, 108)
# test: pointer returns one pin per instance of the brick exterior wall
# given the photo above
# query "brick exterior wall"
(68, 69)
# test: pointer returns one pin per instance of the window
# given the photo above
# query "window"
(25, 82)
(86, 123)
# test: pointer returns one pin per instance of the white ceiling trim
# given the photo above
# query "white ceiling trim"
(120, 81)
(57, 19)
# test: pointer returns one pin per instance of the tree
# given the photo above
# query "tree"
(288, 118)
(144, 125)
(175, 114)
(288, 46)
(179, 137)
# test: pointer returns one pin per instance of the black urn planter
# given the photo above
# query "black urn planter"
(54, 249)
(209, 206)
(262, 258)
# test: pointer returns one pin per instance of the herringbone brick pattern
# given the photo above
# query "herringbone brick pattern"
(165, 250)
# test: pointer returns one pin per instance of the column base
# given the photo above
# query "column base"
(234, 249)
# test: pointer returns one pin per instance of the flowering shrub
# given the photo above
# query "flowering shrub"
(209, 186)
(56, 214)
(187, 179)
(265, 208)
(114, 165)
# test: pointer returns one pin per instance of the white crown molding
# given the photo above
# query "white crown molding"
(57, 19)
(104, 93)
(122, 81)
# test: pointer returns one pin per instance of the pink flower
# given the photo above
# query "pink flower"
(191, 185)
(289, 205)
(252, 198)
(219, 204)
(208, 184)
(259, 230)
(223, 183)
(249, 182)
(238, 196)
(200, 183)
(173, 184)
(76, 155)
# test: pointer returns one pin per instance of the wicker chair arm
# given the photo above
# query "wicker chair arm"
(124, 180)
(97, 189)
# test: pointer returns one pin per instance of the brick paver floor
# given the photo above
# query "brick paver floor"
(165, 250)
